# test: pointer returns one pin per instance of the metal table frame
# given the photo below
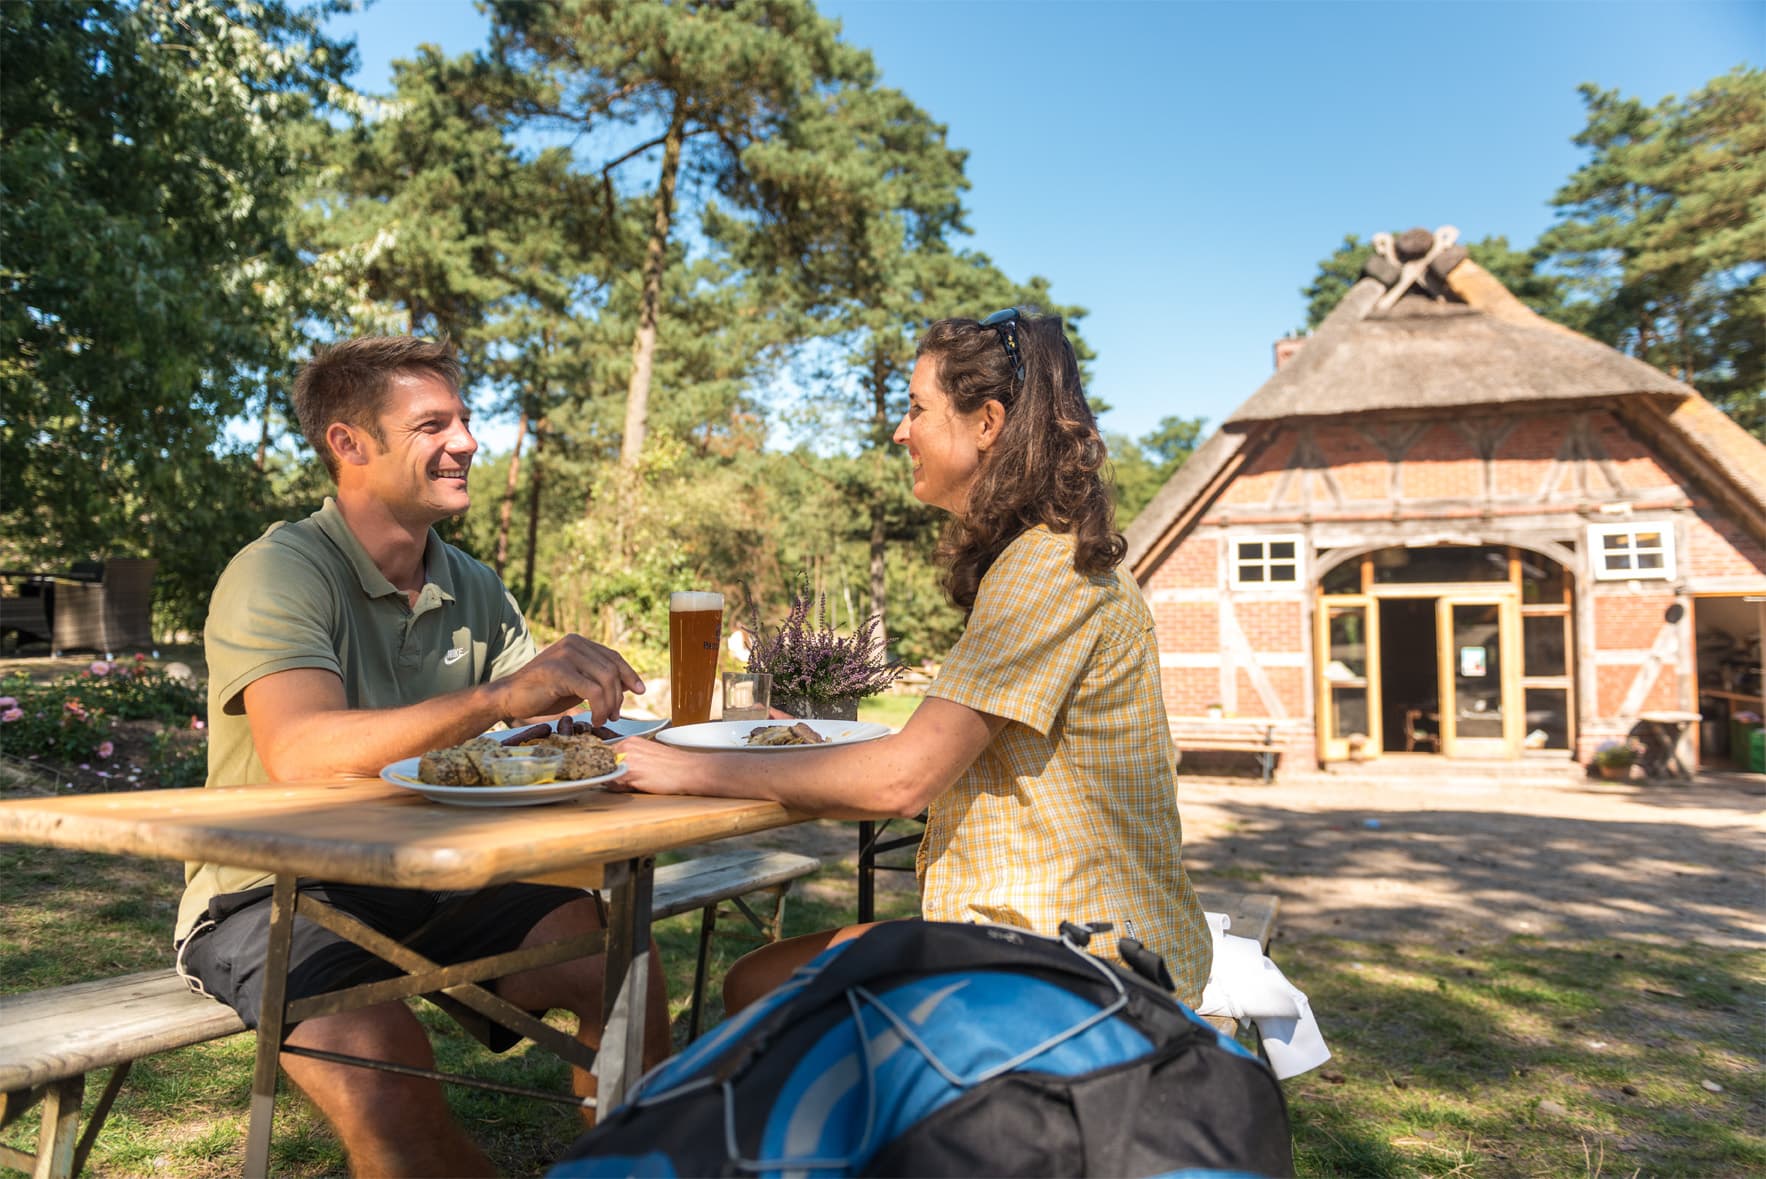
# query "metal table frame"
(626, 942)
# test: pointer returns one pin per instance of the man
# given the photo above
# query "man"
(344, 642)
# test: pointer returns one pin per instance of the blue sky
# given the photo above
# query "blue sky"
(1180, 168)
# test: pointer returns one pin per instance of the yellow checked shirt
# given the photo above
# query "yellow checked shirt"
(1070, 814)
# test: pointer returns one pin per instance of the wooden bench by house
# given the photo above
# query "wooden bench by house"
(1230, 736)
(50, 1040)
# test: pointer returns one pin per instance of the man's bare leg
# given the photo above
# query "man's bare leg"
(759, 971)
(576, 986)
(391, 1125)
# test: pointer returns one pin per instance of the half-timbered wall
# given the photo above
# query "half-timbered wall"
(1534, 478)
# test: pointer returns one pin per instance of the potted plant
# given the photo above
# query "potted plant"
(818, 672)
(1612, 761)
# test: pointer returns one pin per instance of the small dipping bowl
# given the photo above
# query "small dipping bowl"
(523, 765)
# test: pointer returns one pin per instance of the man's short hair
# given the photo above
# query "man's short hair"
(348, 382)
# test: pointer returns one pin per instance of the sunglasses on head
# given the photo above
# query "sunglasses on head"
(1005, 325)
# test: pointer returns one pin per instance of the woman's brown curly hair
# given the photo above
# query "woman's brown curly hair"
(1045, 467)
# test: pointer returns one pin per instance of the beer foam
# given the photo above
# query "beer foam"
(684, 600)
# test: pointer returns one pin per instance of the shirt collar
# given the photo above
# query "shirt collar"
(436, 569)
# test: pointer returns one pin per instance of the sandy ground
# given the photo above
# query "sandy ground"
(1464, 857)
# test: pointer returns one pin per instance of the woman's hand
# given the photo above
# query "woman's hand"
(654, 768)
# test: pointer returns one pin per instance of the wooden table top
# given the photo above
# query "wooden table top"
(369, 832)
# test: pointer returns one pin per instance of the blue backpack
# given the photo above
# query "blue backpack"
(929, 1049)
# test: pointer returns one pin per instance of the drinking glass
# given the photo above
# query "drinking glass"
(695, 626)
(747, 695)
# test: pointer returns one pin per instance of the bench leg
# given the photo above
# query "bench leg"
(112, 1086)
(696, 1005)
(59, 1133)
(777, 930)
(771, 929)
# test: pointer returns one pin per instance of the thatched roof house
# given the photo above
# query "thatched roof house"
(1531, 519)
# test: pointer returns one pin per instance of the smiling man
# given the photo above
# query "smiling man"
(343, 642)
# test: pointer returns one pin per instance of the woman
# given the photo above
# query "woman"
(1041, 752)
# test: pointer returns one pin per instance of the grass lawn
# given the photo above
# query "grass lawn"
(1522, 1057)
(888, 710)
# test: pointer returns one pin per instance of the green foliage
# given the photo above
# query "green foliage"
(136, 691)
(149, 156)
(1663, 239)
(70, 719)
(1140, 467)
(59, 721)
(174, 761)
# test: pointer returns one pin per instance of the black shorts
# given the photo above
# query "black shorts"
(226, 951)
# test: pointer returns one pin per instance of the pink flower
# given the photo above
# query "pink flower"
(85, 765)
(8, 702)
(100, 667)
(11, 714)
(105, 749)
(140, 658)
(197, 722)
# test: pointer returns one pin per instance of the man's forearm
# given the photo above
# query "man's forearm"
(359, 742)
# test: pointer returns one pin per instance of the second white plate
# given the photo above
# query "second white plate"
(733, 735)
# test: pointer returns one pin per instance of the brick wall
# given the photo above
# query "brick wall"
(1442, 465)
(1194, 565)
(1187, 627)
(1716, 547)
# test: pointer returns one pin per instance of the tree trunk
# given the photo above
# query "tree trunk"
(507, 507)
(637, 398)
(535, 477)
(880, 423)
(264, 429)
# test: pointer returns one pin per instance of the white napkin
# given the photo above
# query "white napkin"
(1247, 985)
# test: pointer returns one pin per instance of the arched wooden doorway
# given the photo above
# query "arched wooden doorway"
(1462, 650)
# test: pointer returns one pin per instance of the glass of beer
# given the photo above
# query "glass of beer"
(695, 636)
(747, 695)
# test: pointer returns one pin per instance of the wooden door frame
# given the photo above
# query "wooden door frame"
(1331, 747)
(1508, 637)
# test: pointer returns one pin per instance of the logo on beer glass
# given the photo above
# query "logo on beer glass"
(695, 634)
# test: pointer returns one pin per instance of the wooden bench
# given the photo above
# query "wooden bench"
(1230, 736)
(50, 1040)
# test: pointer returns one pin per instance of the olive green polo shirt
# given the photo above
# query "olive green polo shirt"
(306, 594)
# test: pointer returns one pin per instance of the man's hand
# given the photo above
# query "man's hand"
(571, 671)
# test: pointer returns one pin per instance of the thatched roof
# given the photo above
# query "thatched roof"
(1423, 354)
(1425, 328)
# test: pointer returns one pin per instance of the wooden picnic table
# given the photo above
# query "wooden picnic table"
(369, 832)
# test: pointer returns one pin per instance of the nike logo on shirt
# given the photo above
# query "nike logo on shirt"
(454, 656)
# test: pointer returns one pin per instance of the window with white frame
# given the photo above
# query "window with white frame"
(1265, 562)
(1631, 552)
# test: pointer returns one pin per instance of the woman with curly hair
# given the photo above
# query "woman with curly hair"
(1041, 752)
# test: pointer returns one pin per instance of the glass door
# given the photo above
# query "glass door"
(1480, 675)
(1348, 644)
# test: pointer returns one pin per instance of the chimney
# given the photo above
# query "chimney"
(1287, 348)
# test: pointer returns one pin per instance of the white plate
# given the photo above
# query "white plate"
(404, 773)
(623, 725)
(734, 734)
